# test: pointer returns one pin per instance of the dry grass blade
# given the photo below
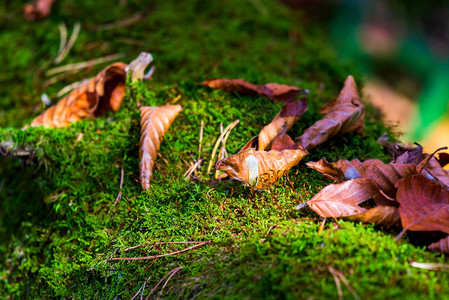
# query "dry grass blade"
(168, 279)
(161, 255)
(201, 139)
(84, 64)
(122, 23)
(119, 196)
(340, 276)
(192, 169)
(171, 273)
(71, 87)
(68, 46)
(219, 140)
(430, 266)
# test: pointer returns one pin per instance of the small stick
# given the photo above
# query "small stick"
(66, 49)
(337, 282)
(192, 168)
(161, 255)
(201, 139)
(220, 138)
(171, 275)
(119, 196)
(85, 64)
(342, 277)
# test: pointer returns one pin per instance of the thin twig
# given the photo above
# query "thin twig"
(342, 277)
(67, 47)
(171, 275)
(162, 243)
(220, 138)
(160, 281)
(119, 196)
(161, 255)
(85, 64)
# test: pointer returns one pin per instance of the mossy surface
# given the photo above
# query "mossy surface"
(59, 226)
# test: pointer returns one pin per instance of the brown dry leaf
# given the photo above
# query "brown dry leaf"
(260, 169)
(386, 216)
(408, 154)
(102, 93)
(284, 142)
(290, 113)
(155, 121)
(96, 96)
(275, 92)
(442, 246)
(424, 205)
(343, 115)
(343, 199)
(38, 9)
(434, 171)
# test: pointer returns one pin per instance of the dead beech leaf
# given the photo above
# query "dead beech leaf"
(102, 93)
(94, 97)
(260, 169)
(155, 121)
(442, 246)
(386, 216)
(290, 113)
(38, 9)
(423, 204)
(343, 199)
(343, 115)
(284, 142)
(275, 92)
(408, 155)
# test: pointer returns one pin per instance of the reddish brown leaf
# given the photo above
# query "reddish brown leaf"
(386, 216)
(275, 92)
(344, 115)
(38, 9)
(424, 205)
(442, 246)
(434, 171)
(443, 158)
(408, 155)
(290, 113)
(260, 169)
(284, 142)
(102, 93)
(343, 199)
(155, 121)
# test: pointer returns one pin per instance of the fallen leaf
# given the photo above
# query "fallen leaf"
(38, 9)
(442, 246)
(343, 199)
(383, 215)
(284, 142)
(155, 121)
(423, 204)
(275, 92)
(408, 155)
(443, 159)
(435, 171)
(343, 115)
(290, 113)
(94, 97)
(260, 169)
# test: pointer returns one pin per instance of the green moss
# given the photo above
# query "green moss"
(58, 224)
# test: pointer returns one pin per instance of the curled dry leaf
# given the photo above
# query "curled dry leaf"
(275, 92)
(408, 155)
(343, 115)
(155, 121)
(434, 171)
(100, 94)
(38, 9)
(290, 113)
(343, 199)
(260, 169)
(424, 205)
(94, 97)
(383, 215)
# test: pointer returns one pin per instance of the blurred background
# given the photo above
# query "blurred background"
(402, 47)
